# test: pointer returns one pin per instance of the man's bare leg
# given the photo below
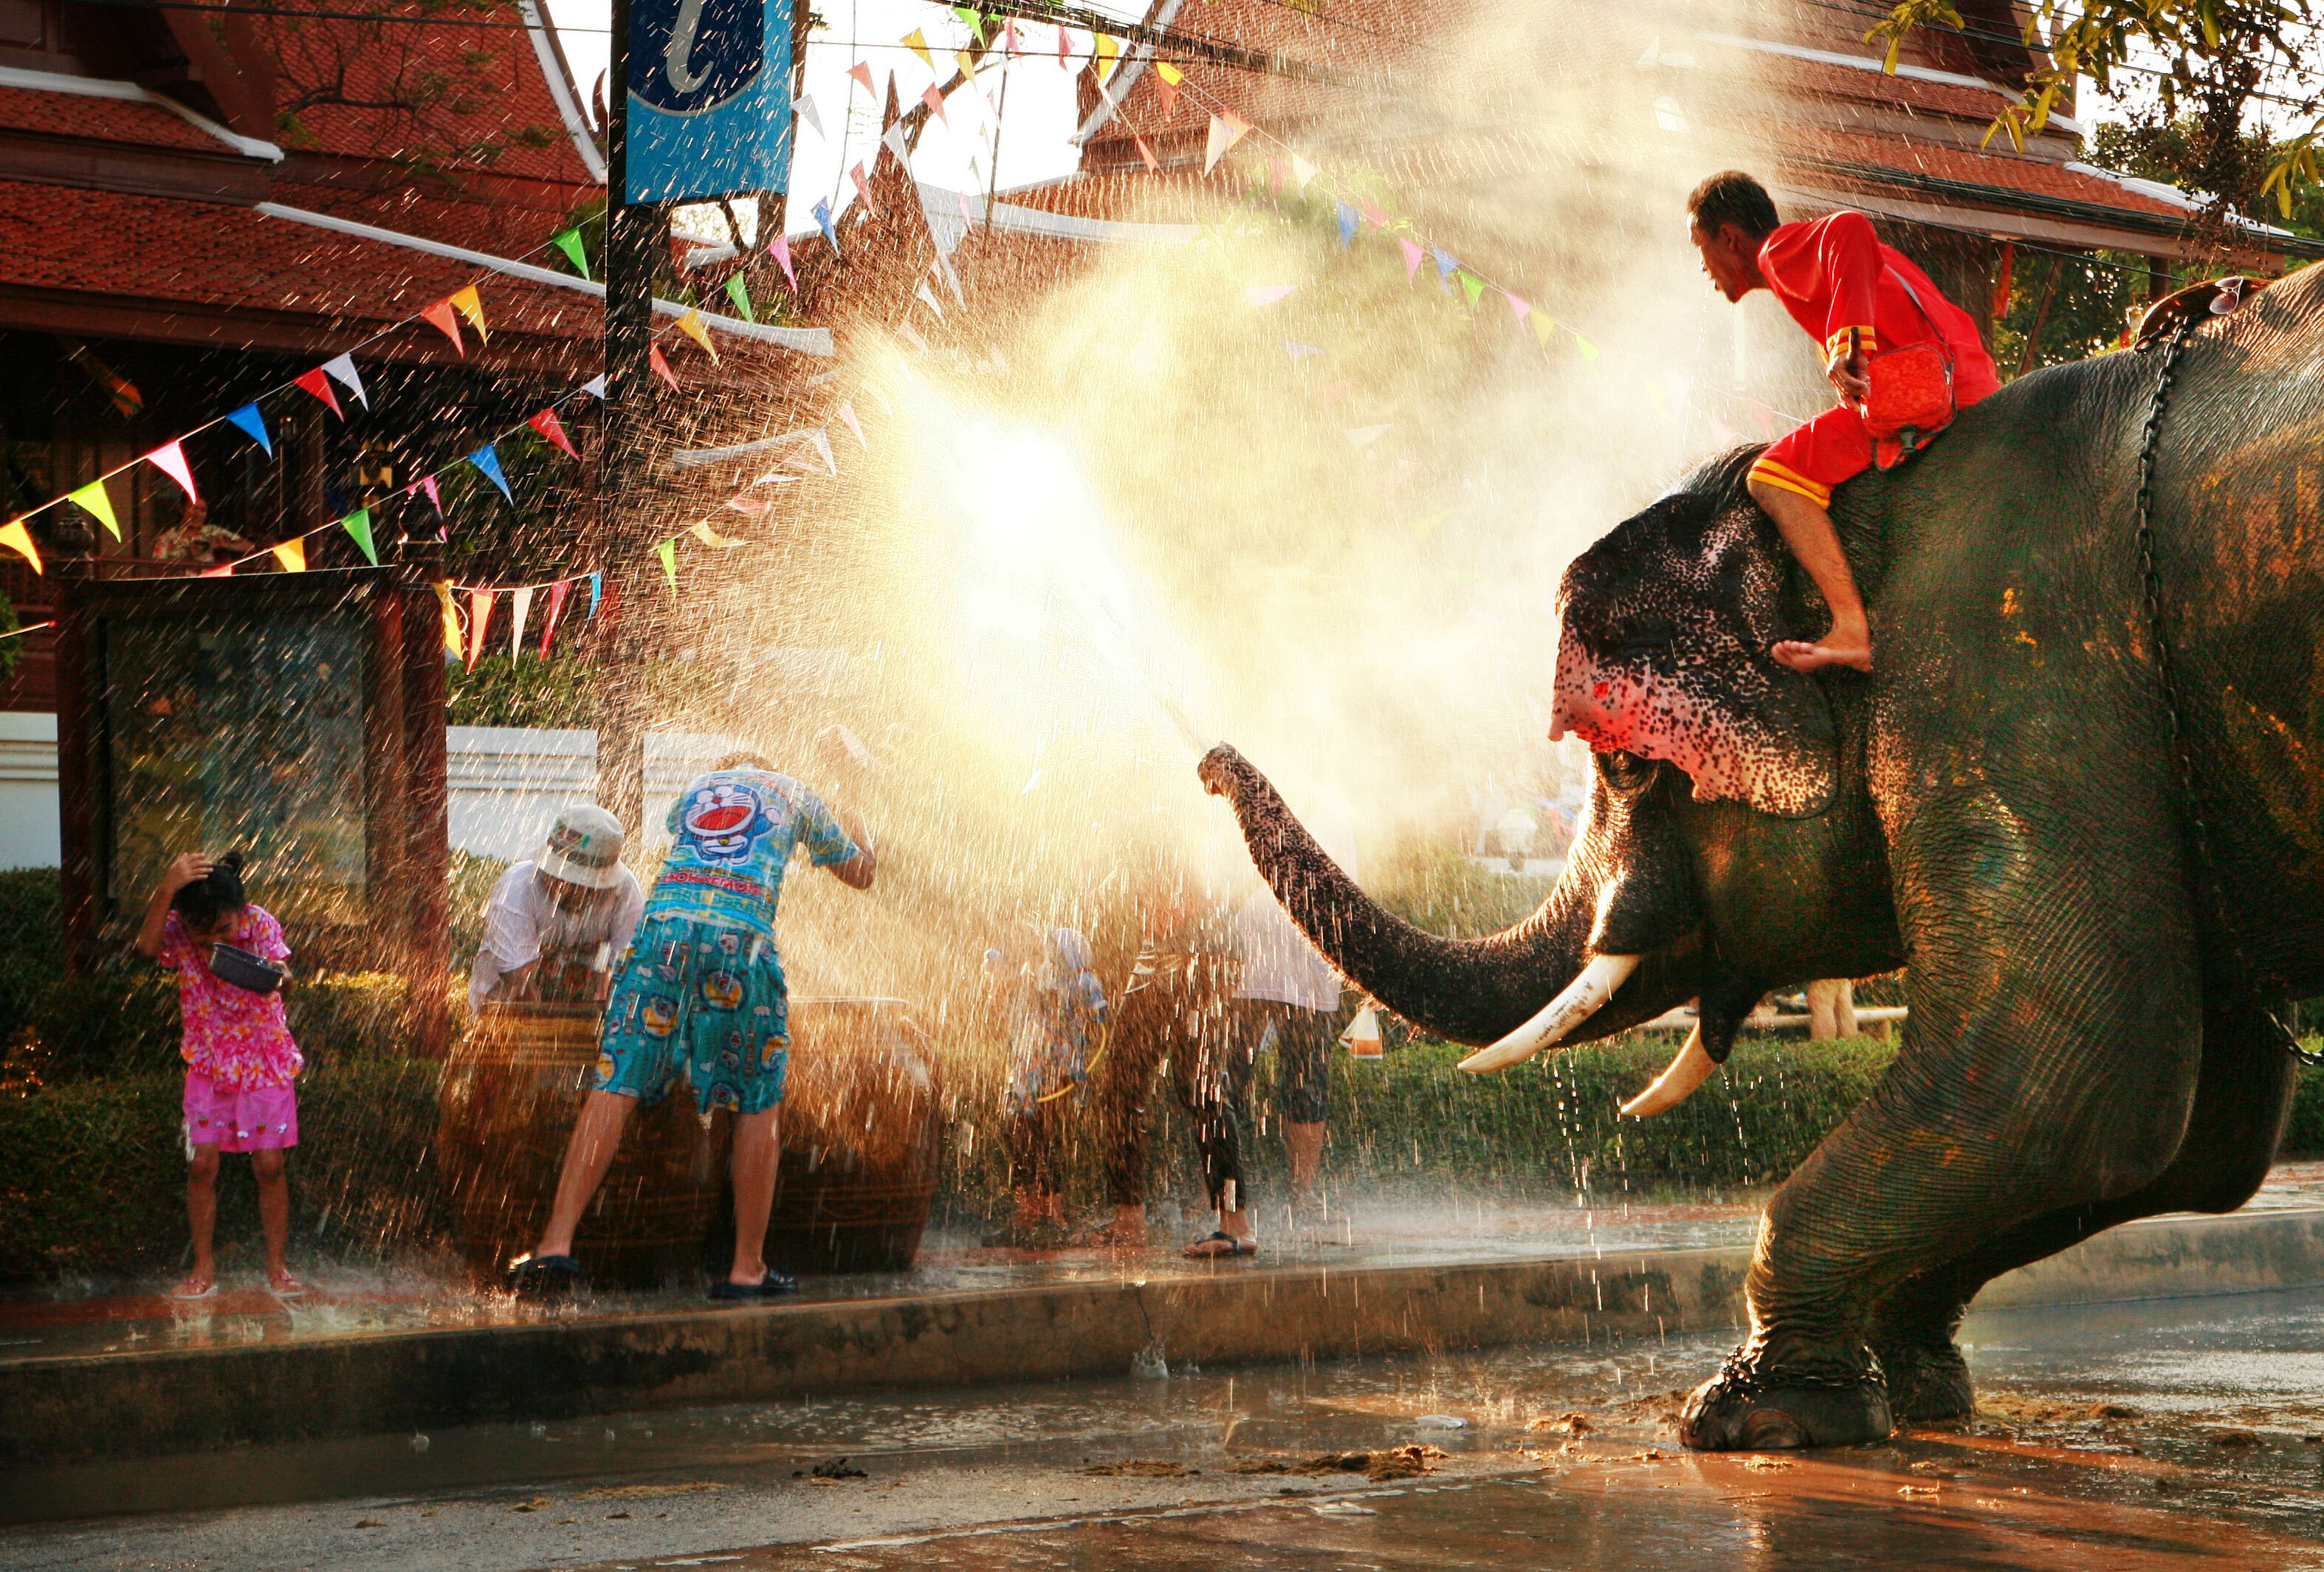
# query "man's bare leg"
(596, 1136)
(758, 1149)
(1807, 530)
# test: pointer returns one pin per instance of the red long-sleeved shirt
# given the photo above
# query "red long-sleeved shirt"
(1833, 274)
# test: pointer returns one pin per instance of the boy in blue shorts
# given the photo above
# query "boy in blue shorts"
(701, 998)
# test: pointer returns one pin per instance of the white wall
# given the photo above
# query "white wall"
(29, 837)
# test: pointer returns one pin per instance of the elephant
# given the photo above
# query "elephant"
(2103, 883)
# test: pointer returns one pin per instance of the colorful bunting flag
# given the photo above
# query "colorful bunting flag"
(1302, 171)
(223, 570)
(292, 554)
(487, 461)
(781, 248)
(668, 552)
(1372, 213)
(970, 18)
(807, 112)
(936, 103)
(315, 382)
(18, 540)
(443, 588)
(1472, 286)
(1519, 308)
(694, 328)
(426, 482)
(1347, 226)
(1412, 256)
(1009, 35)
(1544, 327)
(596, 587)
(702, 533)
(823, 221)
(595, 387)
(1146, 153)
(1227, 128)
(822, 440)
(556, 594)
(447, 323)
(253, 426)
(169, 458)
(862, 189)
(480, 617)
(519, 610)
(546, 423)
(847, 414)
(471, 305)
(358, 525)
(92, 499)
(1445, 266)
(569, 243)
(1166, 77)
(1589, 350)
(916, 41)
(343, 372)
(740, 293)
(861, 71)
(660, 366)
(1105, 53)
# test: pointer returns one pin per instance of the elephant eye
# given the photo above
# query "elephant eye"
(1625, 772)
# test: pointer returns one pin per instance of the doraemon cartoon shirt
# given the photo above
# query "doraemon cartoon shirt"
(736, 830)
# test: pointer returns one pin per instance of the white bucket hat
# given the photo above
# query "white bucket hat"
(585, 848)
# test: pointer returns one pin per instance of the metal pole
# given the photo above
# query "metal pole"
(625, 502)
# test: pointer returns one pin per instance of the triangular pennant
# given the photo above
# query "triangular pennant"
(1302, 171)
(487, 461)
(916, 41)
(223, 570)
(702, 533)
(927, 297)
(780, 246)
(1167, 79)
(315, 382)
(864, 188)
(892, 139)
(1444, 265)
(519, 609)
(448, 322)
(1589, 350)
(253, 426)
(343, 372)
(692, 325)
(1347, 225)
(1065, 56)
(91, 499)
(426, 482)
(1472, 286)
(1519, 306)
(292, 554)
(358, 525)
(822, 440)
(740, 293)
(596, 590)
(660, 366)
(1372, 213)
(451, 615)
(1544, 326)
(968, 69)
(169, 458)
(861, 71)
(1009, 37)
(807, 112)
(480, 618)
(747, 506)
(546, 423)
(1412, 256)
(822, 211)
(936, 103)
(471, 305)
(1106, 51)
(1146, 153)
(911, 336)
(595, 387)
(556, 594)
(973, 20)
(18, 540)
(847, 415)
(668, 552)
(569, 243)
(1227, 128)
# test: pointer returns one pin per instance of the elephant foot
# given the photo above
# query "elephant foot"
(1756, 1405)
(1927, 1384)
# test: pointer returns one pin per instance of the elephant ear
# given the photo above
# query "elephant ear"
(1666, 626)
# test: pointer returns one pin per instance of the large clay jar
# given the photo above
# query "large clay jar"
(863, 1130)
(511, 1089)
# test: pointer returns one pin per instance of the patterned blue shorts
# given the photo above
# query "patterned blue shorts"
(702, 1003)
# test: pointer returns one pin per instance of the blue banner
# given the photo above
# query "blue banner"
(710, 102)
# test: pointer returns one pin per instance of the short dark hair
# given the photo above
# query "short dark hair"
(744, 760)
(212, 896)
(1732, 197)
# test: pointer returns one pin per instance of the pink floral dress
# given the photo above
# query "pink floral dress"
(240, 1058)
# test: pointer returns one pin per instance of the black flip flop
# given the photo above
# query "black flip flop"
(773, 1286)
(1235, 1247)
(541, 1277)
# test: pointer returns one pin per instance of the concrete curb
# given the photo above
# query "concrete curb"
(113, 1406)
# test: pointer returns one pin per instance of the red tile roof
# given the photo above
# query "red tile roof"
(97, 119)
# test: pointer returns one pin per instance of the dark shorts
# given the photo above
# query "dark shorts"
(705, 1004)
(1301, 1039)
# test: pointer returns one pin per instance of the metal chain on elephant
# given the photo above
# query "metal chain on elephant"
(2166, 678)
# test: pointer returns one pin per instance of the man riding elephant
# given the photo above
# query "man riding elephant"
(2100, 867)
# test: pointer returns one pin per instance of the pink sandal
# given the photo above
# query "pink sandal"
(283, 1286)
(193, 1289)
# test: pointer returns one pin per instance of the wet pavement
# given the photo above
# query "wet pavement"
(2173, 1433)
(79, 1319)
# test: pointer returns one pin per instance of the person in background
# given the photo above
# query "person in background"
(240, 1063)
(564, 916)
(702, 998)
(1057, 1014)
(1289, 1000)
(194, 538)
(1175, 1008)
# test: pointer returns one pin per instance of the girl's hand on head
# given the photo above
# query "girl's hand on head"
(188, 867)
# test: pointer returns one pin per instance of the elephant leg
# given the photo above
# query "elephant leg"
(2050, 1063)
(2243, 1098)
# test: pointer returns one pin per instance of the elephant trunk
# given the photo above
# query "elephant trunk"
(1468, 990)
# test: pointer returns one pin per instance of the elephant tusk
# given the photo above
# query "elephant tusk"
(1688, 1070)
(1583, 998)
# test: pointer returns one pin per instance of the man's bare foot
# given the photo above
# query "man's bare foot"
(1800, 655)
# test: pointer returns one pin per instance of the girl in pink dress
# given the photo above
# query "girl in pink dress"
(240, 1061)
